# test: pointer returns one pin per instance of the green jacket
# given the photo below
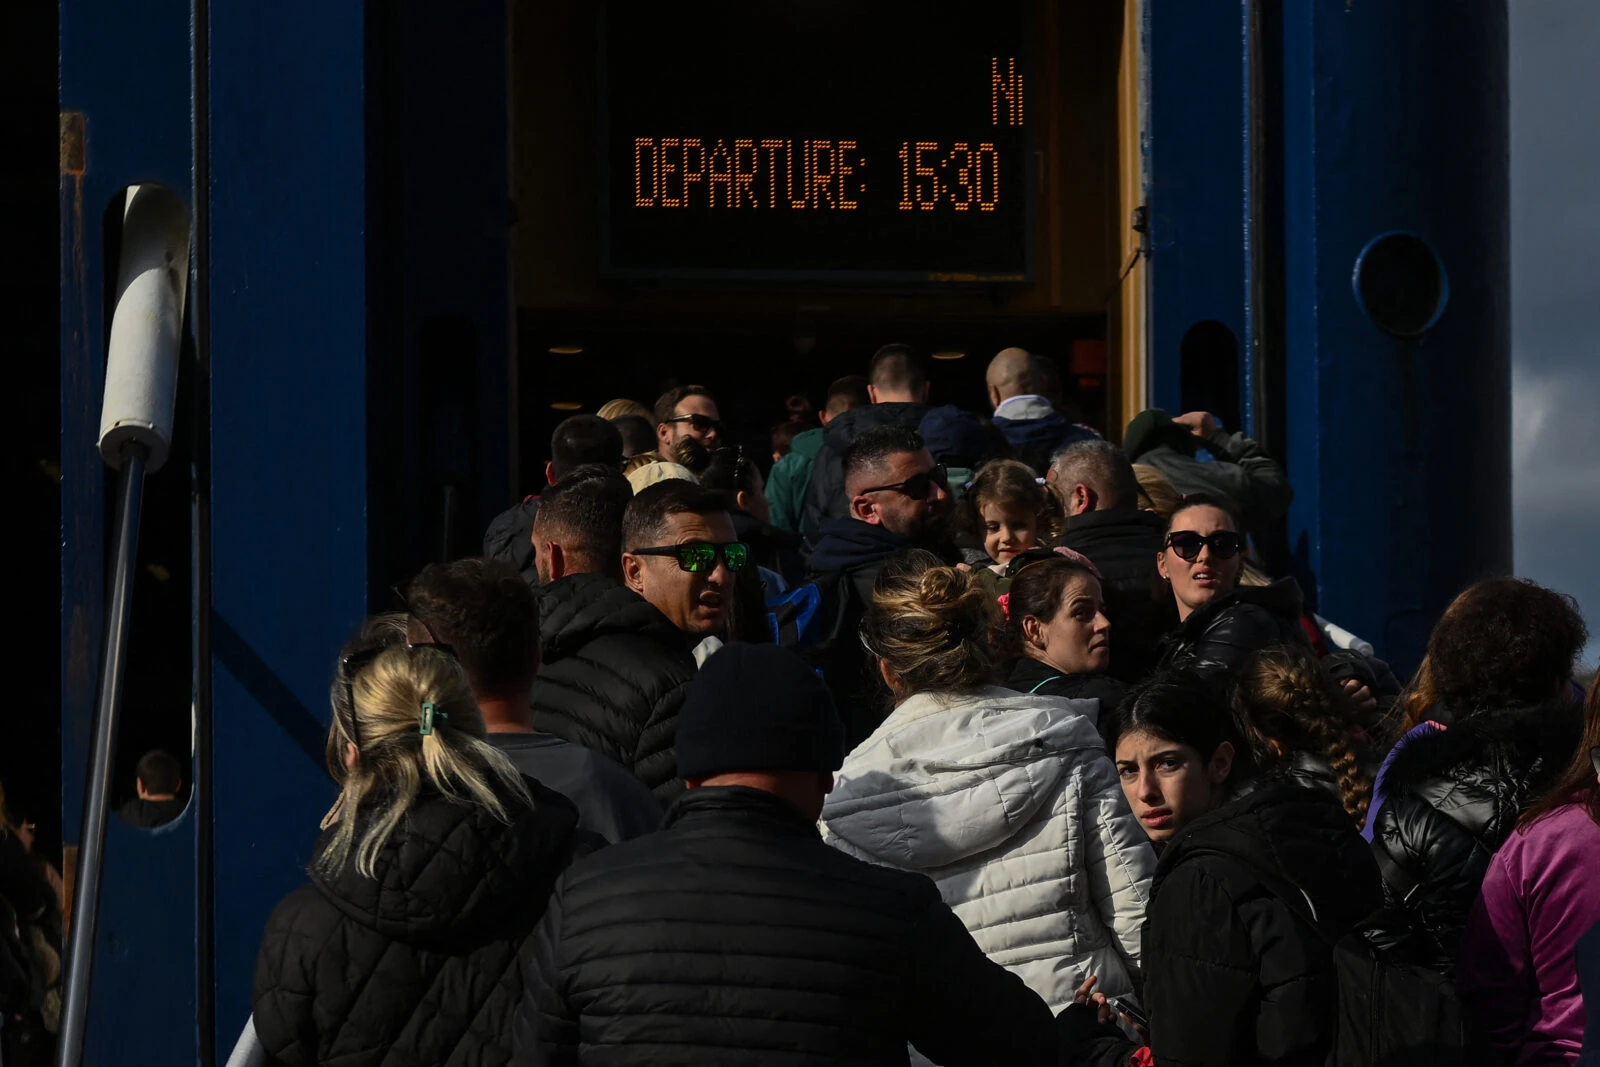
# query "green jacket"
(790, 477)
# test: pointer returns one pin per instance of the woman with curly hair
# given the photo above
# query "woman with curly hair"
(1497, 680)
(1298, 722)
(1006, 800)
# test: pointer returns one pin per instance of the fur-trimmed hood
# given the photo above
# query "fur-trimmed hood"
(1532, 740)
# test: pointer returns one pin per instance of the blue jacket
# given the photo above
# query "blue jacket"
(1041, 432)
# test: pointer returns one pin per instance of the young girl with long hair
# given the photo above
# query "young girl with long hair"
(1234, 973)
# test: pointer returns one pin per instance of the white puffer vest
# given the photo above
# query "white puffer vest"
(1009, 803)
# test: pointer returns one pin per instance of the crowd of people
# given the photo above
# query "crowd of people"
(935, 737)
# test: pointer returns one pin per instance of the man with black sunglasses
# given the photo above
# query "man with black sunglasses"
(899, 499)
(687, 411)
(898, 389)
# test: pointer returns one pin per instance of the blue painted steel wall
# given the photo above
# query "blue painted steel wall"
(125, 67)
(1393, 117)
(1396, 118)
(288, 348)
(1196, 150)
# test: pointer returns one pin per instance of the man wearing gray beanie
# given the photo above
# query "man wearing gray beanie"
(733, 935)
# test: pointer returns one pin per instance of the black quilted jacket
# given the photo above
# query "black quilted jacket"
(1214, 641)
(1235, 972)
(614, 675)
(1451, 798)
(1123, 544)
(735, 936)
(417, 965)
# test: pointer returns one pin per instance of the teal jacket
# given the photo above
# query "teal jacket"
(790, 477)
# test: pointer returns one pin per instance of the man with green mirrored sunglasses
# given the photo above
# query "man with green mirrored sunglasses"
(680, 552)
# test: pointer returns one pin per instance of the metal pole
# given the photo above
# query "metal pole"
(91, 844)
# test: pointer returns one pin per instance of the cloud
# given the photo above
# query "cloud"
(1555, 487)
(1555, 252)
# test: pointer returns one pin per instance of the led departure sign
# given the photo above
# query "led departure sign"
(823, 139)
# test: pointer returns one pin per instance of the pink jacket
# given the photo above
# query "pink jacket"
(1516, 976)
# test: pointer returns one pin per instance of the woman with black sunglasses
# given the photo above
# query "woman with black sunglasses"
(1219, 622)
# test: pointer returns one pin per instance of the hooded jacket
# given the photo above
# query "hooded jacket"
(1242, 474)
(1234, 971)
(418, 964)
(614, 673)
(825, 497)
(1123, 543)
(1037, 430)
(1214, 641)
(844, 566)
(1451, 798)
(790, 478)
(510, 537)
(734, 936)
(1010, 804)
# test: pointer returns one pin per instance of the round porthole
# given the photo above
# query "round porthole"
(1400, 284)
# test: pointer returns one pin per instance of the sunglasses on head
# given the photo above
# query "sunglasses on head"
(918, 486)
(1224, 544)
(699, 423)
(698, 557)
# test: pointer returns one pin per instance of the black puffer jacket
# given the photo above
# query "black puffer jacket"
(825, 495)
(845, 567)
(1451, 798)
(1028, 675)
(1233, 975)
(735, 936)
(1122, 544)
(510, 537)
(1214, 641)
(613, 677)
(417, 965)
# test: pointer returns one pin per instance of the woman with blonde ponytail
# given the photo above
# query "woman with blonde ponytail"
(433, 868)
(1298, 722)
(1006, 800)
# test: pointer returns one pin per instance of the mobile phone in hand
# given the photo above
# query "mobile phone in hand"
(1131, 1011)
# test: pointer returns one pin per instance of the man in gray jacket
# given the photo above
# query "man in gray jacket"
(1198, 456)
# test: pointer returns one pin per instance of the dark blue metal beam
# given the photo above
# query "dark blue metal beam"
(1396, 119)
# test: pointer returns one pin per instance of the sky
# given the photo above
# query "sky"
(1555, 298)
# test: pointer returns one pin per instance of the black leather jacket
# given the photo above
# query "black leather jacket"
(1214, 641)
(1450, 799)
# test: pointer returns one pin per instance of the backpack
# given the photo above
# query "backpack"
(793, 617)
(1391, 1011)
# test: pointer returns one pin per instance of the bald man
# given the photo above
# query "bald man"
(1023, 414)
